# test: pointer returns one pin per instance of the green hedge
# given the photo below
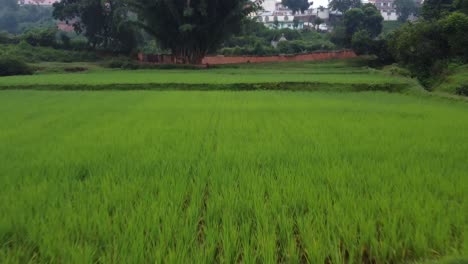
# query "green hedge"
(28, 53)
(13, 66)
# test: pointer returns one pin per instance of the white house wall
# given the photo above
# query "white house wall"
(389, 16)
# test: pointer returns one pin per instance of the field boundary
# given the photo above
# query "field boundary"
(277, 86)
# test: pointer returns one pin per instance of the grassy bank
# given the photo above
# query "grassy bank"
(200, 177)
(315, 75)
(453, 82)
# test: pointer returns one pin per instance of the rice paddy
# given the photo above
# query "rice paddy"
(231, 177)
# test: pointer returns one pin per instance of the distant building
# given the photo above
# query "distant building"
(269, 5)
(281, 17)
(387, 9)
(37, 2)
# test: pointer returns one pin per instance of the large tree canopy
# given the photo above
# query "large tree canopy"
(344, 5)
(296, 5)
(192, 28)
(103, 23)
(366, 18)
(405, 8)
(436, 9)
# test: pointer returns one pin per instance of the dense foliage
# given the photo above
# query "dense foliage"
(255, 39)
(29, 53)
(343, 5)
(436, 9)
(405, 8)
(13, 66)
(296, 5)
(190, 29)
(426, 47)
(366, 18)
(103, 23)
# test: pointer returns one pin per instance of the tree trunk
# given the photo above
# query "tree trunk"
(189, 56)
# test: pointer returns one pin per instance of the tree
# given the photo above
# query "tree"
(296, 5)
(419, 47)
(317, 22)
(461, 5)
(344, 5)
(427, 46)
(103, 23)
(275, 23)
(296, 22)
(361, 42)
(454, 29)
(405, 8)
(367, 18)
(190, 29)
(436, 9)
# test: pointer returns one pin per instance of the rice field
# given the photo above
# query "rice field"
(337, 72)
(231, 177)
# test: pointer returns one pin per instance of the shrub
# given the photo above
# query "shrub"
(462, 90)
(395, 70)
(41, 37)
(28, 53)
(75, 69)
(300, 46)
(119, 63)
(6, 38)
(12, 66)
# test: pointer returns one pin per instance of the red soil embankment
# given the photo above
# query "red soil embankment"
(215, 60)
(316, 56)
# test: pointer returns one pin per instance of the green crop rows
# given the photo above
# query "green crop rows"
(334, 72)
(247, 177)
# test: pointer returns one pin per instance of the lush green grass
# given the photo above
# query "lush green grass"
(454, 81)
(389, 26)
(335, 72)
(253, 177)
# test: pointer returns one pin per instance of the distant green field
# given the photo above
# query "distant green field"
(234, 177)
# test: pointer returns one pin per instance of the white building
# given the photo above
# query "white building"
(279, 17)
(269, 5)
(37, 2)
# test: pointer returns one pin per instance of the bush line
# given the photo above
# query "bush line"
(282, 86)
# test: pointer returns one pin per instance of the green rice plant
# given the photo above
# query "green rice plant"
(220, 176)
